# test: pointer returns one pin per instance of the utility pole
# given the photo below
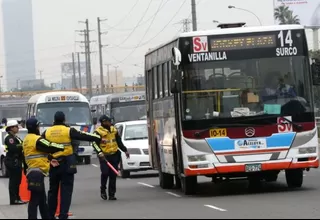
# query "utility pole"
(89, 58)
(194, 15)
(108, 74)
(79, 72)
(40, 73)
(116, 72)
(74, 83)
(100, 54)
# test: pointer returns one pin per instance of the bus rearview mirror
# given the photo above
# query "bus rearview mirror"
(95, 120)
(176, 56)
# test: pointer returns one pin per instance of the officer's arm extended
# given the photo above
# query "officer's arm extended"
(85, 136)
(48, 147)
(120, 143)
(12, 146)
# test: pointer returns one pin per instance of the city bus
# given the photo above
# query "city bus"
(128, 106)
(233, 102)
(76, 109)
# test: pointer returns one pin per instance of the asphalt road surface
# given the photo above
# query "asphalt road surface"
(140, 197)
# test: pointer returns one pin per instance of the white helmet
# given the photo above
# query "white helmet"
(12, 123)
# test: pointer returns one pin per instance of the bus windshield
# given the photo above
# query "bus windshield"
(128, 111)
(77, 113)
(250, 87)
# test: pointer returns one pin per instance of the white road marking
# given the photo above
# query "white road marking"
(145, 184)
(95, 165)
(216, 208)
(173, 194)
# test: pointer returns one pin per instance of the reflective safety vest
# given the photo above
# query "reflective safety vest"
(111, 146)
(6, 147)
(36, 160)
(60, 134)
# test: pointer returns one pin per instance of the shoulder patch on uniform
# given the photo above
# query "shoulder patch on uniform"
(11, 141)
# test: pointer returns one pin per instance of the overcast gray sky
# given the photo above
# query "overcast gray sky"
(55, 22)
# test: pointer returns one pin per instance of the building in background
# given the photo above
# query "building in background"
(67, 80)
(18, 41)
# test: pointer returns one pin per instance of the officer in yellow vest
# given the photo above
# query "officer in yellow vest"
(112, 154)
(36, 153)
(14, 161)
(64, 173)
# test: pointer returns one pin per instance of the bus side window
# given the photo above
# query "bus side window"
(165, 80)
(159, 79)
(169, 76)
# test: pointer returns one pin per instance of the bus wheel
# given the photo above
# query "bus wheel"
(189, 185)
(165, 179)
(294, 178)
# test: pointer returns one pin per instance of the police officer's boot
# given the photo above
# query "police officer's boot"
(103, 194)
(112, 198)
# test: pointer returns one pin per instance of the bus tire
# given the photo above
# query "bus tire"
(189, 185)
(4, 171)
(176, 167)
(165, 179)
(294, 178)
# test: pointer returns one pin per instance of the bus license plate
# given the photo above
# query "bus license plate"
(253, 168)
(219, 132)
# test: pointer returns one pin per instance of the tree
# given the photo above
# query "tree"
(285, 16)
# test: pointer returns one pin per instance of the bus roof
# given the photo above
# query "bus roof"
(103, 99)
(42, 98)
(237, 30)
(99, 99)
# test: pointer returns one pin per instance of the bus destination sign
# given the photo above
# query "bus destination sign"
(246, 42)
(132, 98)
(62, 98)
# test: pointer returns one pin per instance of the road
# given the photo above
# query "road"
(140, 197)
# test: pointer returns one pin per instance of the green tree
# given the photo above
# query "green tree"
(285, 16)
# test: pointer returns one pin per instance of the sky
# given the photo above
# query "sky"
(132, 26)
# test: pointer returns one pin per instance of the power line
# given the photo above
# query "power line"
(125, 17)
(142, 23)
(144, 14)
(139, 45)
(145, 31)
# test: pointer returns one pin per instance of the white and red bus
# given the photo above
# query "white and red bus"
(232, 102)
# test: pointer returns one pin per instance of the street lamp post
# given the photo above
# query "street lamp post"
(233, 7)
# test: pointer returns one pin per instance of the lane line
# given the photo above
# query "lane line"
(173, 194)
(216, 208)
(94, 165)
(145, 184)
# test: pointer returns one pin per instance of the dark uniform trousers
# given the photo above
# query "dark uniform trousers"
(38, 196)
(60, 174)
(14, 167)
(107, 172)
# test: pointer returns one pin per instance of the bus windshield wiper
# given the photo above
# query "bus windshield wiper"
(199, 133)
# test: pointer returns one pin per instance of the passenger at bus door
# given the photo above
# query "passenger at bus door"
(63, 175)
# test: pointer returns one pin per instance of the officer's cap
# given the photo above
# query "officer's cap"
(32, 123)
(104, 118)
(59, 116)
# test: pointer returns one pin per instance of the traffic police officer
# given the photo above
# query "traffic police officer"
(112, 154)
(36, 151)
(64, 173)
(14, 161)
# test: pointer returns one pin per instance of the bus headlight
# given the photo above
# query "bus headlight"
(197, 158)
(307, 150)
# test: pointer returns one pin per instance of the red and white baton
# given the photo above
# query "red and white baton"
(112, 168)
